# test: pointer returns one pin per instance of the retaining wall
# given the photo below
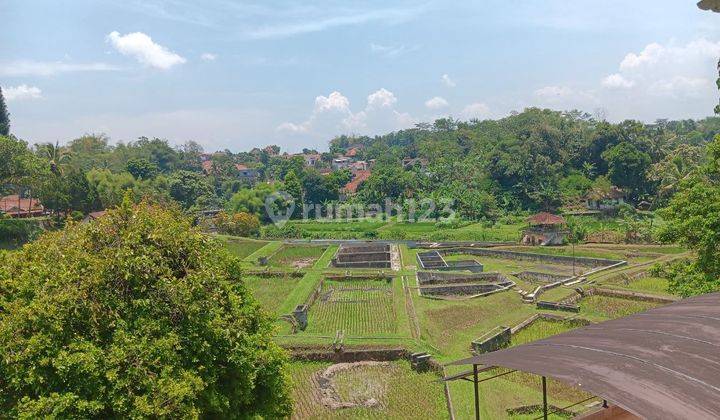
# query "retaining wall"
(529, 256)
(537, 276)
(496, 339)
(428, 278)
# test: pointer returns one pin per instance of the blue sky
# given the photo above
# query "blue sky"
(239, 74)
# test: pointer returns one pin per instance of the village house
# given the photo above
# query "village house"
(605, 201)
(545, 229)
(16, 206)
(341, 163)
(244, 173)
(311, 159)
(351, 187)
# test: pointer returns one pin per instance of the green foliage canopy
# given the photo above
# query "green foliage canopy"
(136, 315)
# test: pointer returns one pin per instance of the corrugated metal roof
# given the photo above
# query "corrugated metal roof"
(659, 364)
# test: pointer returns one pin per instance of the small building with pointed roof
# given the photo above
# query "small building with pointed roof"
(545, 229)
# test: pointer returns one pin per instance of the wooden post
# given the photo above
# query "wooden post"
(544, 386)
(477, 394)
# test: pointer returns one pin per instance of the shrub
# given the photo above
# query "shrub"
(134, 315)
(241, 224)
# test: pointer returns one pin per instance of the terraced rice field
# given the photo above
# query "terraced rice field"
(242, 249)
(401, 393)
(358, 307)
(296, 256)
(271, 292)
(613, 307)
(542, 328)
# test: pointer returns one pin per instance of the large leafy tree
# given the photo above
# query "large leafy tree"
(4, 117)
(627, 167)
(186, 187)
(136, 315)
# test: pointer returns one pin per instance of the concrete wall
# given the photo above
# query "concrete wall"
(363, 256)
(460, 289)
(429, 278)
(362, 264)
(541, 277)
(496, 341)
(529, 256)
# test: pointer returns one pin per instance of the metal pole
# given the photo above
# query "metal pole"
(477, 394)
(544, 385)
(573, 252)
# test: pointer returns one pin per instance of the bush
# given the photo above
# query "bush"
(241, 224)
(16, 232)
(135, 315)
(284, 232)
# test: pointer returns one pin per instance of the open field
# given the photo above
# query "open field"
(393, 313)
(241, 248)
(612, 307)
(296, 256)
(400, 392)
(271, 292)
(358, 307)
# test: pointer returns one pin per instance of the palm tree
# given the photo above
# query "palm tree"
(57, 156)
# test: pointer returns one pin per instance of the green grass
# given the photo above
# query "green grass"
(542, 328)
(242, 248)
(271, 292)
(450, 326)
(612, 307)
(401, 392)
(296, 256)
(652, 285)
(358, 307)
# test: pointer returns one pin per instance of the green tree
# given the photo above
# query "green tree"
(4, 116)
(136, 315)
(58, 156)
(292, 186)
(627, 167)
(693, 220)
(186, 187)
(141, 168)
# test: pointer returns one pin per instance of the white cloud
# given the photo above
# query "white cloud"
(436, 103)
(49, 68)
(382, 98)
(617, 81)
(477, 110)
(682, 87)
(304, 23)
(392, 50)
(144, 50)
(447, 81)
(208, 56)
(334, 101)
(671, 70)
(332, 115)
(18, 93)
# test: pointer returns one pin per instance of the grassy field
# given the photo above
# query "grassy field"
(401, 392)
(242, 248)
(385, 313)
(296, 256)
(358, 307)
(271, 292)
(612, 307)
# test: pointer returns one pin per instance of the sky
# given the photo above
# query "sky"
(241, 74)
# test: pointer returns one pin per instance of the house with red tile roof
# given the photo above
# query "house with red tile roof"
(352, 186)
(545, 229)
(17, 206)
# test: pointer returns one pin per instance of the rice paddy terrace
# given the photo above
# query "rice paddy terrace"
(370, 324)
